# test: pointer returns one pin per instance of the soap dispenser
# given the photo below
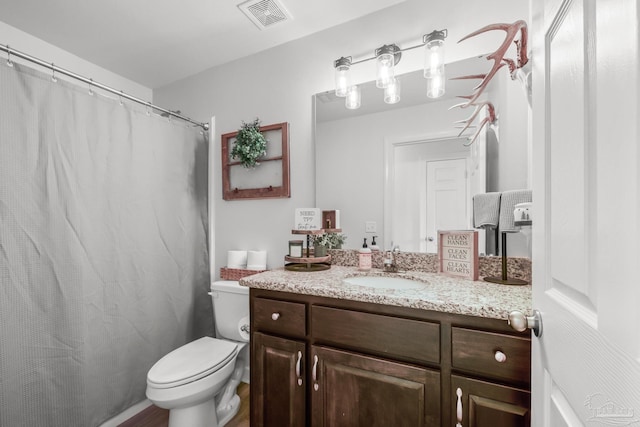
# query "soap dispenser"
(364, 257)
(374, 245)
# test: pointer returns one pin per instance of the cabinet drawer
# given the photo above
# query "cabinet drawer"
(399, 338)
(280, 317)
(475, 351)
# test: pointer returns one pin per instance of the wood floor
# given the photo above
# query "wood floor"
(158, 417)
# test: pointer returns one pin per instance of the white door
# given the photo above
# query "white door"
(586, 231)
(446, 200)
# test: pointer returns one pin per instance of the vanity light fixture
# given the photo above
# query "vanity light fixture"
(387, 57)
(343, 75)
(353, 99)
(434, 63)
(392, 91)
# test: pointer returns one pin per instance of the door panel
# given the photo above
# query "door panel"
(484, 404)
(446, 199)
(357, 390)
(586, 156)
(277, 394)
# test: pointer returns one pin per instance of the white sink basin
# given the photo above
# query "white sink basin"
(384, 282)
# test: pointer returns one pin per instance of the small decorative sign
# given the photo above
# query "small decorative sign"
(458, 253)
(308, 219)
(331, 219)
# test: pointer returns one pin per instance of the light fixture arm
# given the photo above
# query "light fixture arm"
(397, 52)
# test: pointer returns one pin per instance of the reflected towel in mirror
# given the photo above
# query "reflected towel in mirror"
(486, 210)
(508, 203)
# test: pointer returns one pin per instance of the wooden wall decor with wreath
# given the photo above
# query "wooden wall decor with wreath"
(269, 178)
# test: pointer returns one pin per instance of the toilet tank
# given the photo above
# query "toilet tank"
(231, 310)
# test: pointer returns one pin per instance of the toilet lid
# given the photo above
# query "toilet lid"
(191, 362)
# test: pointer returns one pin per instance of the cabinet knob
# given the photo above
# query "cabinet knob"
(275, 316)
(518, 321)
(500, 356)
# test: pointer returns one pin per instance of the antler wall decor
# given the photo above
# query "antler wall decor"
(490, 119)
(499, 61)
(515, 66)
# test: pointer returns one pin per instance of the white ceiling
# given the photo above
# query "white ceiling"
(156, 42)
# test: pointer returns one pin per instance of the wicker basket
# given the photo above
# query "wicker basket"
(236, 273)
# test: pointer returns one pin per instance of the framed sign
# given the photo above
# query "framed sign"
(458, 254)
(307, 219)
(270, 179)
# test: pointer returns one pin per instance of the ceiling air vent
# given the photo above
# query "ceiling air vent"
(264, 13)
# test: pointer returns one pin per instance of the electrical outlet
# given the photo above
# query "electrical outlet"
(370, 227)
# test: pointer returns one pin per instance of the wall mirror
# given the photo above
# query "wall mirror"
(379, 163)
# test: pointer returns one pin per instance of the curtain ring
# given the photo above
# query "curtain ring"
(121, 103)
(53, 73)
(148, 108)
(91, 87)
(9, 61)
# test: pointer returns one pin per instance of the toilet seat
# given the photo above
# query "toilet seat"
(191, 362)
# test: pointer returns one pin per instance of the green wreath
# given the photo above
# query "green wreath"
(250, 144)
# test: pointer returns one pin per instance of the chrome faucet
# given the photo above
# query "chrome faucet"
(390, 264)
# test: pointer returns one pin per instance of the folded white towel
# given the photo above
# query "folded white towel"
(508, 202)
(486, 210)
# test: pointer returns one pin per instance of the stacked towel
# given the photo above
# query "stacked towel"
(486, 210)
(508, 202)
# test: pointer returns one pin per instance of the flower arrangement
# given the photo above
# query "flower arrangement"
(322, 240)
(329, 240)
(250, 144)
(336, 239)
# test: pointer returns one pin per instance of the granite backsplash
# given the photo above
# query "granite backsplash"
(517, 268)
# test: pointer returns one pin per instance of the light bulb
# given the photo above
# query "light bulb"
(435, 86)
(352, 101)
(342, 76)
(392, 92)
(386, 58)
(434, 70)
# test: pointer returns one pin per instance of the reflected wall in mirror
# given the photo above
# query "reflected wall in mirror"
(367, 165)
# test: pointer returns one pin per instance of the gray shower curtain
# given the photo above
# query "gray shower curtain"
(103, 255)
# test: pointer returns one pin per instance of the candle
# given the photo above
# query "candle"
(295, 248)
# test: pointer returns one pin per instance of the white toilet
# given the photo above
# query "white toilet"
(197, 382)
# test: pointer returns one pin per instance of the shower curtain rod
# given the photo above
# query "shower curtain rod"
(91, 83)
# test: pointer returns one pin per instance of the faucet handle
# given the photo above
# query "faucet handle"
(396, 249)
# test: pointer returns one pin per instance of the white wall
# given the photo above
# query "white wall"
(277, 86)
(40, 49)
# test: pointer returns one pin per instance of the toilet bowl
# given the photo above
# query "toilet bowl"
(197, 382)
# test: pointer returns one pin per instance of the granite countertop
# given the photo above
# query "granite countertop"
(439, 293)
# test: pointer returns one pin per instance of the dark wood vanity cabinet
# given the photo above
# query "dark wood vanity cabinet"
(486, 404)
(351, 389)
(319, 361)
(280, 391)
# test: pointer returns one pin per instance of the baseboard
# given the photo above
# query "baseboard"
(124, 416)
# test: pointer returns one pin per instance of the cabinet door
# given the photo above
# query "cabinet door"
(277, 382)
(349, 389)
(483, 404)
